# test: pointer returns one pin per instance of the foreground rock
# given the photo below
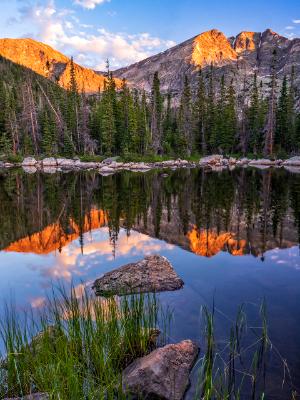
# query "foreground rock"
(162, 374)
(35, 396)
(152, 274)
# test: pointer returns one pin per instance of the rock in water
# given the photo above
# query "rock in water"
(152, 274)
(162, 374)
(29, 162)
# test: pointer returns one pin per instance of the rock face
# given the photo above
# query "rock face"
(152, 274)
(50, 63)
(233, 57)
(162, 374)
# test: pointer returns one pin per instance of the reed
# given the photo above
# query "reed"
(77, 346)
(236, 368)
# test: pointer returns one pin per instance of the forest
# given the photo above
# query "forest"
(37, 117)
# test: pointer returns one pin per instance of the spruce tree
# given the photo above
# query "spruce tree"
(156, 115)
(211, 121)
(185, 121)
(270, 126)
(200, 112)
(282, 138)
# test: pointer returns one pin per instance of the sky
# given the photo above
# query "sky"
(126, 31)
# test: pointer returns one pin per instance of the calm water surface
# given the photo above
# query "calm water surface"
(232, 236)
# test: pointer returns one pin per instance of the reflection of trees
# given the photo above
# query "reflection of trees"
(240, 211)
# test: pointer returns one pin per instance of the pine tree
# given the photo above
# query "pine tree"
(253, 125)
(269, 136)
(282, 138)
(168, 127)
(156, 115)
(108, 123)
(185, 121)
(230, 120)
(200, 111)
(143, 125)
(211, 121)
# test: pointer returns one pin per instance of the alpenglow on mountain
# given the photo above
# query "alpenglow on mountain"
(50, 63)
(237, 58)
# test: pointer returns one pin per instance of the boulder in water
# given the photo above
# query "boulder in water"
(152, 274)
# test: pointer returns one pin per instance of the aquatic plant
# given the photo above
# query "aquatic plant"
(236, 368)
(77, 346)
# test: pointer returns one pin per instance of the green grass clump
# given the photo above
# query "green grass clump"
(237, 368)
(77, 347)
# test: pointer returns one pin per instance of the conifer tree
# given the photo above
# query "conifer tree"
(156, 115)
(270, 126)
(253, 123)
(185, 121)
(143, 125)
(211, 121)
(282, 137)
(200, 110)
(230, 120)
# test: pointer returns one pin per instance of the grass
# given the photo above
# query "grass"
(77, 346)
(237, 368)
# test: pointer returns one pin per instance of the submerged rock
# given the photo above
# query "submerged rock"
(152, 274)
(162, 374)
(34, 396)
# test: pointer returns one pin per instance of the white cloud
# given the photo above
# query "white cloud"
(289, 28)
(89, 4)
(296, 21)
(90, 47)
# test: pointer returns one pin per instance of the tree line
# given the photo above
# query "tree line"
(37, 117)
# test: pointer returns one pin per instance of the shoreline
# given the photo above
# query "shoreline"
(110, 166)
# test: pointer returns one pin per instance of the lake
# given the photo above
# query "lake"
(232, 236)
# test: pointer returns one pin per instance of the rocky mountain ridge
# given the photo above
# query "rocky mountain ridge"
(50, 63)
(237, 58)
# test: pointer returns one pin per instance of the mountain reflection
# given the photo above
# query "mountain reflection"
(244, 211)
(55, 237)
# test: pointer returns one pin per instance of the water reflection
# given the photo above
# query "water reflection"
(241, 212)
(232, 236)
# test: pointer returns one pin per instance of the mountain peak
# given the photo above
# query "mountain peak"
(50, 63)
(212, 47)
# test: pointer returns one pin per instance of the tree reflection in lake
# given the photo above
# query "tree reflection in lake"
(242, 212)
(230, 235)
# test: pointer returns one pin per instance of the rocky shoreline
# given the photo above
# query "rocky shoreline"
(111, 165)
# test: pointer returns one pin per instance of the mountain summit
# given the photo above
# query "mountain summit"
(237, 58)
(50, 63)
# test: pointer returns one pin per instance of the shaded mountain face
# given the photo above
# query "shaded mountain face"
(237, 58)
(50, 63)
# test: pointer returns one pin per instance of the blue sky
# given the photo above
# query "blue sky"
(128, 31)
